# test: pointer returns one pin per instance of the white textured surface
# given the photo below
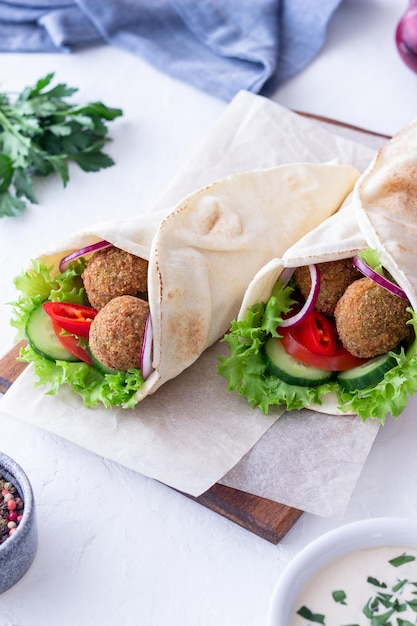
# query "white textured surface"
(358, 77)
(115, 547)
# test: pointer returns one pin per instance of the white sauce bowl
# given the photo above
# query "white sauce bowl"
(370, 533)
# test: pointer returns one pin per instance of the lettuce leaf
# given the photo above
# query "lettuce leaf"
(37, 285)
(111, 389)
(372, 257)
(245, 370)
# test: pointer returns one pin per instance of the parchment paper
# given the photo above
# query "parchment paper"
(192, 432)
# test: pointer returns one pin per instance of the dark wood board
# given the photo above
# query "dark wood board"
(265, 518)
(351, 127)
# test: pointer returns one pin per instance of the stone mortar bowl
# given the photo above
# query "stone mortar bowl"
(18, 551)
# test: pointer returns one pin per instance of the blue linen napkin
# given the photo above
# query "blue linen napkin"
(219, 46)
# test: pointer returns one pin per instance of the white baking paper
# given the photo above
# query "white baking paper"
(192, 432)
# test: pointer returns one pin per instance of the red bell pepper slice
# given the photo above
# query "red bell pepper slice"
(317, 333)
(315, 343)
(74, 318)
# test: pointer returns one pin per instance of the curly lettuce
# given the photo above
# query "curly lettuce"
(245, 369)
(37, 285)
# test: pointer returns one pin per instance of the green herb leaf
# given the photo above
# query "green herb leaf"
(10, 205)
(93, 161)
(400, 560)
(41, 132)
(374, 581)
(413, 605)
(339, 596)
(400, 585)
(23, 185)
(6, 172)
(305, 612)
(381, 620)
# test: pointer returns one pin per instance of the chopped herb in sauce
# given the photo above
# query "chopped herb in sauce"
(339, 596)
(315, 618)
(392, 601)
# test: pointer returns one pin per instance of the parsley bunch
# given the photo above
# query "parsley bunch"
(40, 133)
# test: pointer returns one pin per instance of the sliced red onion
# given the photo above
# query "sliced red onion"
(310, 301)
(146, 352)
(406, 36)
(66, 260)
(286, 275)
(366, 270)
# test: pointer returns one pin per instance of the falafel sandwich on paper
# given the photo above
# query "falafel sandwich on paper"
(120, 308)
(331, 324)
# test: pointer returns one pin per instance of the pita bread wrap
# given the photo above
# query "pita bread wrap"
(202, 255)
(381, 216)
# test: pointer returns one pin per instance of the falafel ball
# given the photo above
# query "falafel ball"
(335, 277)
(370, 320)
(113, 272)
(117, 331)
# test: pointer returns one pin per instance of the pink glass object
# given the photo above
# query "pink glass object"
(406, 36)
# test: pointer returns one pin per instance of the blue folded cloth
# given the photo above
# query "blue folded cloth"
(219, 46)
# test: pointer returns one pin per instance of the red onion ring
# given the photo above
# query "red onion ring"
(66, 260)
(286, 274)
(146, 351)
(310, 301)
(366, 270)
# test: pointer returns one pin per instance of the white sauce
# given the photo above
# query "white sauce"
(350, 573)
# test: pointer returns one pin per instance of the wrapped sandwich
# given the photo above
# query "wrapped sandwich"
(331, 324)
(120, 308)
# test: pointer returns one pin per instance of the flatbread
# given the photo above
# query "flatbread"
(381, 213)
(204, 252)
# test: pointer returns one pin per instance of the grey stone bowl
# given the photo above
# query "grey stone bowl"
(18, 551)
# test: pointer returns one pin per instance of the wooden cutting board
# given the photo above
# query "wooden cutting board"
(265, 518)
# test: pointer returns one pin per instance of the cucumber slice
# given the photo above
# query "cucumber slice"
(100, 367)
(290, 370)
(368, 374)
(41, 336)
